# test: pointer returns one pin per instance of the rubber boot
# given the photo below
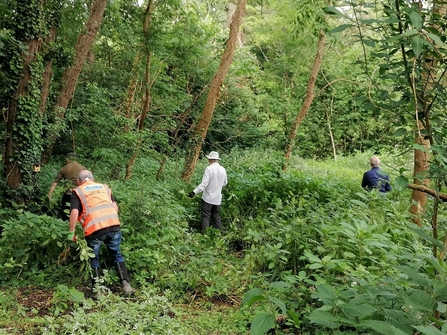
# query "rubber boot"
(96, 280)
(124, 277)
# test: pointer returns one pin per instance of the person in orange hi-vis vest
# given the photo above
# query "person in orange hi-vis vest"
(93, 205)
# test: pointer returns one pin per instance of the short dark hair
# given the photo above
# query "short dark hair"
(71, 156)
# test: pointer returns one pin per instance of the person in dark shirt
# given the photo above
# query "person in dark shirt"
(376, 178)
(70, 172)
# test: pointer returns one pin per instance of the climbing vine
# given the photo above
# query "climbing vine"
(23, 66)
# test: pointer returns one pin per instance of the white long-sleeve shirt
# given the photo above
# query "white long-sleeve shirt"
(214, 179)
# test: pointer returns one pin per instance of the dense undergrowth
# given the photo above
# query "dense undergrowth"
(305, 251)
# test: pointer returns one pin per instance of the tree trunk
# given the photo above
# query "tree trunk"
(310, 93)
(13, 165)
(131, 91)
(200, 129)
(71, 74)
(424, 99)
(47, 74)
(147, 21)
(421, 165)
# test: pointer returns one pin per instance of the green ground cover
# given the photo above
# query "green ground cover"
(305, 251)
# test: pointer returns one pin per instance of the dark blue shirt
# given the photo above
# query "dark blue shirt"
(376, 178)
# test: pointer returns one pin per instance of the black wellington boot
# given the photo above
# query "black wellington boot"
(124, 277)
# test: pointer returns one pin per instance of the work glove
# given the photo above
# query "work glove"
(191, 194)
(71, 236)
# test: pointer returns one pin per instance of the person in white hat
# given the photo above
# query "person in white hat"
(213, 180)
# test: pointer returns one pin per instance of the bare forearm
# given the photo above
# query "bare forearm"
(52, 188)
(74, 214)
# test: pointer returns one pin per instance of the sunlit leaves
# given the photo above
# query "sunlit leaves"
(416, 20)
(416, 44)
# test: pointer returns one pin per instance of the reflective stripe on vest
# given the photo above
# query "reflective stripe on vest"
(98, 211)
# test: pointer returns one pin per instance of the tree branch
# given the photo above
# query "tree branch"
(425, 189)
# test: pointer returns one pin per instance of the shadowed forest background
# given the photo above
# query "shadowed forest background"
(295, 96)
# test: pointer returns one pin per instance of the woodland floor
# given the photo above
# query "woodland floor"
(36, 303)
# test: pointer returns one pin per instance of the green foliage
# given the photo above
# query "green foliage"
(63, 297)
(150, 313)
(35, 248)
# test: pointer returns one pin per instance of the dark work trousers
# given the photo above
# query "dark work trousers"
(65, 206)
(210, 211)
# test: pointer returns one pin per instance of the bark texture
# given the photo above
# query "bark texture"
(200, 129)
(147, 21)
(71, 74)
(421, 165)
(12, 169)
(310, 93)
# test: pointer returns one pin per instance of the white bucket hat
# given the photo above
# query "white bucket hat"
(213, 155)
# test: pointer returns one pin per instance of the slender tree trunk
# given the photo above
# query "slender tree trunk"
(132, 90)
(421, 165)
(310, 93)
(147, 82)
(201, 127)
(47, 74)
(71, 74)
(334, 151)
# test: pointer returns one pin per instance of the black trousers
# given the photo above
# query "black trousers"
(210, 211)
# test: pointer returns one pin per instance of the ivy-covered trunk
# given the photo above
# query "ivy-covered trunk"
(200, 129)
(23, 143)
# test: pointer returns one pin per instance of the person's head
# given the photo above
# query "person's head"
(213, 157)
(85, 175)
(71, 157)
(374, 161)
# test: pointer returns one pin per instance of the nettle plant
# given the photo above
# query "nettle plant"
(413, 299)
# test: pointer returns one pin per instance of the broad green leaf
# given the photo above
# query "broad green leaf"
(362, 195)
(323, 318)
(279, 285)
(279, 303)
(410, 32)
(441, 308)
(382, 327)
(295, 318)
(439, 290)
(429, 330)
(421, 300)
(362, 311)
(253, 296)
(416, 20)
(340, 28)
(311, 257)
(416, 44)
(413, 274)
(436, 39)
(401, 183)
(400, 132)
(262, 323)
(331, 10)
(325, 291)
(359, 203)
(76, 295)
(427, 237)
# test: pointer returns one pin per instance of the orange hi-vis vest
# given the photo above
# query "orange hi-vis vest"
(97, 208)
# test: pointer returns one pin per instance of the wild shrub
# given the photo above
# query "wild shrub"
(112, 314)
(34, 247)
